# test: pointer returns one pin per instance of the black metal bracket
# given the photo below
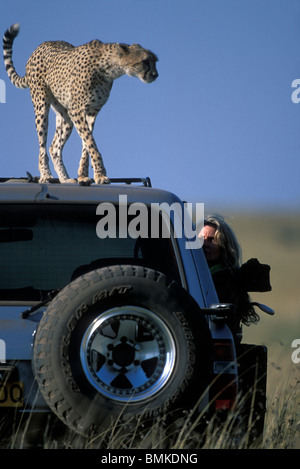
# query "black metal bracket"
(221, 310)
(28, 312)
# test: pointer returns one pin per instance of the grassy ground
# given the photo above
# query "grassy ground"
(273, 239)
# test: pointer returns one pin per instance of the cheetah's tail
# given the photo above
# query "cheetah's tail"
(8, 39)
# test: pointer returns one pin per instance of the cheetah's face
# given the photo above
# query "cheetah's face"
(139, 62)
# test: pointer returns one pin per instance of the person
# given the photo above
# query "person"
(223, 255)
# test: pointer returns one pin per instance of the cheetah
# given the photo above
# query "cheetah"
(76, 82)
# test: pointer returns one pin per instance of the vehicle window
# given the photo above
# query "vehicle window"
(44, 247)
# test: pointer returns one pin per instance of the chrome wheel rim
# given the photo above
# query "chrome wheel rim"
(128, 353)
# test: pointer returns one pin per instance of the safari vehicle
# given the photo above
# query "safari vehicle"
(101, 320)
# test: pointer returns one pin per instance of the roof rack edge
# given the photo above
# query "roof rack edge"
(146, 182)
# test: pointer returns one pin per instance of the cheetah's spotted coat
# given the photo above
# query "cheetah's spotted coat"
(76, 82)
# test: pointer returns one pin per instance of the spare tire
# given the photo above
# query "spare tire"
(121, 340)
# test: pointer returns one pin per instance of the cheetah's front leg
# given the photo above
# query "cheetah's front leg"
(83, 170)
(82, 127)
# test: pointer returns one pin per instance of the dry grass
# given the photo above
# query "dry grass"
(47, 432)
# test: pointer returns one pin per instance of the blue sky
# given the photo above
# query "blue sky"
(218, 126)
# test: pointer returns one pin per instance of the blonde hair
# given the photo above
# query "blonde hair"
(230, 249)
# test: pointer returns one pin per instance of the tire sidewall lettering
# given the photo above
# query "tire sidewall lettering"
(105, 294)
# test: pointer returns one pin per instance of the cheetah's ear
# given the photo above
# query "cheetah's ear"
(123, 48)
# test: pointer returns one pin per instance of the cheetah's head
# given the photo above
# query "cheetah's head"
(138, 62)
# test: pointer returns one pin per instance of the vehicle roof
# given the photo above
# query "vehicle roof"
(20, 191)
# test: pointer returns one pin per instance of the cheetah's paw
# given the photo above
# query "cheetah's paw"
(69, 181)
(46, 179)
(85, 181)
(102, 180)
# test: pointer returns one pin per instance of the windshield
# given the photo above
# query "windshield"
(44, 247)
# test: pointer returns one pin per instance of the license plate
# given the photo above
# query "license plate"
(12, 394)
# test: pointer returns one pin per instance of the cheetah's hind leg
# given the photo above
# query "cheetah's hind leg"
(41, 109)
